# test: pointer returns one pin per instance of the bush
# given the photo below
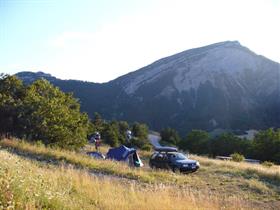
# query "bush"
(197, 142)
(147, 147)
(267, 164)
(266, 145)
(140, 143)
(227, 143)
(110, 136)
(170, 136)
(140, 130)
(237, 157)
(137, 142)
(39, 143)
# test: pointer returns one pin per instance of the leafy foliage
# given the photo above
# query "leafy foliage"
(237, 157)
(140, 130)
(12, 92)
(197, 142)
(170, 136)
(114, 132)
(268, 164)
(266, 145)
(140, 134)
(98, 122)
(227, 143)
(111, 135)
(41, 111)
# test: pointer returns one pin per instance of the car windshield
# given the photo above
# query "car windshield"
(178, 156)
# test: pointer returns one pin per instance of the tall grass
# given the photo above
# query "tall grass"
(83, 161)
(242, 168)
(149, 176)
(255, 183)
(25, 185)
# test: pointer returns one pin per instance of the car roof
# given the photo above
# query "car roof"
(166, 149)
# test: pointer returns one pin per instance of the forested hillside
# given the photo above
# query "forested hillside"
(219, 86)
(39, 111)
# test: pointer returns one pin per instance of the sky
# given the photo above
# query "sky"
(100, 40)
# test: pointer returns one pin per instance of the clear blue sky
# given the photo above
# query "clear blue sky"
(99, 40)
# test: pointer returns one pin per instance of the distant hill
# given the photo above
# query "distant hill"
(220, 86)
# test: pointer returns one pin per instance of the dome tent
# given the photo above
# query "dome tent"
(96, 155)
(123, 153)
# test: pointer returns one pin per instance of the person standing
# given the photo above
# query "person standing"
(97, 138)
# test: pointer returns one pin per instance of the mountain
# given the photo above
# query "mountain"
(219, 86)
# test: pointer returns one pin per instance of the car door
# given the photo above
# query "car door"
(165, 161)
(157, 161)
(171, 160)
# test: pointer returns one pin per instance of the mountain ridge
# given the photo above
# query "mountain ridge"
(223, 85)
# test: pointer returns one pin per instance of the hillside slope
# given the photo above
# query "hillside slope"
(223, 85)
(59, 179)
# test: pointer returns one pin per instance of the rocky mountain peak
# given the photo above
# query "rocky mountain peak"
(191, 68)
(219, 86)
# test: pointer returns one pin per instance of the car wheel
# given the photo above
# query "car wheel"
(152, 166)
(175, 169)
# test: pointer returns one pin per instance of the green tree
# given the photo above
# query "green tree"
(12, 92)
(53, 117)
(123, 127)
(140, 135)
(266, 145)
(197, 142)
(170, 136)
(227, 144)
(140, 130)
(98, 122)
(110, 135)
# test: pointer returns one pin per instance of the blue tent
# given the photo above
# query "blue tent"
(96, 155)
(124, 153)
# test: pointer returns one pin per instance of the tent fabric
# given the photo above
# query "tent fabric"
(120, 153)
(124, 153)
(97, 155)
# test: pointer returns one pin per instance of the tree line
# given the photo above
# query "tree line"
(42, 112)
(265, 146)
(114, 132)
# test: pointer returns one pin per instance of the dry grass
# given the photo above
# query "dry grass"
(25, 185)
(215, 182)
(83, 161)
(242, 168)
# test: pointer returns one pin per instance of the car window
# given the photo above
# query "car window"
(177, 156)
(171, 156)
(180, 156)
(159, 156)
(164, 157)
(154, 155)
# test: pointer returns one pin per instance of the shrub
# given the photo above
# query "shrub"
(39, 143)
(147, 147)
(140, 143)
(170, 136)
(197, 142)
(266, 145)
(268, 164)
(237, 157)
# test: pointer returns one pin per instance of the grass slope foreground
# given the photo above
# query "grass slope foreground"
(38, 177)
(27, 185)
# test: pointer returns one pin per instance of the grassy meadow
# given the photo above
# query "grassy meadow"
(37, 177)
